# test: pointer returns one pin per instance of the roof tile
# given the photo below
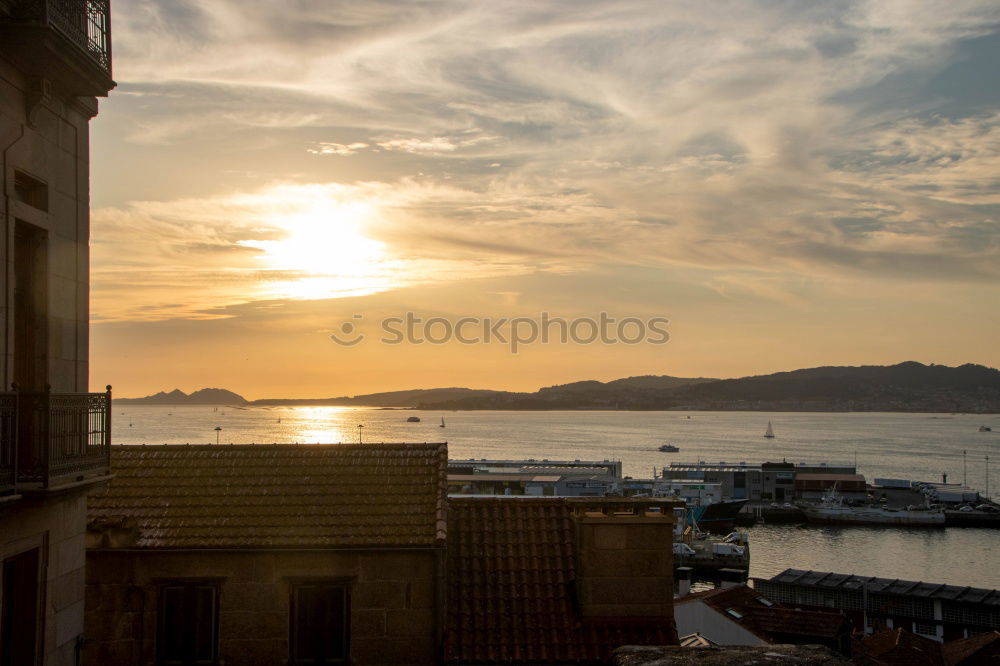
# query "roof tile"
(512, 588)
(323, 495)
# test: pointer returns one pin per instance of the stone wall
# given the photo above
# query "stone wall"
(53, 147)
(626, 565)
(392, 598)
(54, 524)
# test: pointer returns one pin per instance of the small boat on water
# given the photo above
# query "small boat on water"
(413, 419)
(669, 448)
(833, 509)
(985, 429)
(769, 433)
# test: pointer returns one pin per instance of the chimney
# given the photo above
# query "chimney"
(625, 556)
(731, 578)
(682, 576)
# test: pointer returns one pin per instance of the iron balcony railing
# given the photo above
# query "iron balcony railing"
(85, 23)
(57, 438)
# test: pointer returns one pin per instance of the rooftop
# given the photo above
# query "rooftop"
(274, 496)
(766, 619)
(895, 586)
(898, 646)
(799, 655)
(512, 588)
(859, 478)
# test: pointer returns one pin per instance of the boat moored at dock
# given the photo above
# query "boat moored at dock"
(833, 509)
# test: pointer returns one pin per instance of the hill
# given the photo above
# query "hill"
(408, 398)
(644, 392)
(205, 396)
(905, 387)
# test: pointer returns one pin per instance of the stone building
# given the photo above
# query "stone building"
(323, 554)
(55, 59)
(557, 580)
(273, 554)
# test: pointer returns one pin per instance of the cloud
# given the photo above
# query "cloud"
(327, 148)
(748, 138)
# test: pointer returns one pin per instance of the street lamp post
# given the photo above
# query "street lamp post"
(218, 431)
(359, 432)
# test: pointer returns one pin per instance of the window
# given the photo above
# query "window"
(188, 627)
(319, 623)
(31, 191)
(19, 623)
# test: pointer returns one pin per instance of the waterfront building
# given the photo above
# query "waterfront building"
(937, 611)
(769, 481)
(811, 486)
(537, 478)
(55, 60)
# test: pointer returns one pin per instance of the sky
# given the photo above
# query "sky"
(788, 184)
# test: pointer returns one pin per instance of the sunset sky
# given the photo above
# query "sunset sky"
(791, 184)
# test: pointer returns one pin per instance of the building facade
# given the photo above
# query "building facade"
(55, 60)
(274, 554)
(330, 554)
(757, 482)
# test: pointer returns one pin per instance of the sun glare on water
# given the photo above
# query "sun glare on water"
(324, 252)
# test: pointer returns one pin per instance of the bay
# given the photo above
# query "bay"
(889, 445)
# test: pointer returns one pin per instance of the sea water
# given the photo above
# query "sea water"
(885, 445)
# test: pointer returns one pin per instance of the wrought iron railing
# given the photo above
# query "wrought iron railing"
(85, 23)
(8, 441)
(62, 436)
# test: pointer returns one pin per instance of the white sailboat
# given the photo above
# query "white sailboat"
(769, 433)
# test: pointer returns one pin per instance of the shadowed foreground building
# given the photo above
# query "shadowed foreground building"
(324, 554)
(55, 60)
(298, 554)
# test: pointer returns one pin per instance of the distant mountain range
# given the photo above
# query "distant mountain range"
(206, 396)
(906, 387)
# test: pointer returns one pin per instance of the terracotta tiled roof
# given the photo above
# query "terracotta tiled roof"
(512, 588)
(245, 496)
(765, 619)
(898, 647)
(977, 649)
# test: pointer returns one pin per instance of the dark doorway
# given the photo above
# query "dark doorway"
(19, 616)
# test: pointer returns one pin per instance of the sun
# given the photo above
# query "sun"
(323, 251)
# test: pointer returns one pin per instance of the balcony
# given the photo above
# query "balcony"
(49, 439)
(63, 39)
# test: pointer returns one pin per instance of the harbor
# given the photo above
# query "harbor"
(720, 498)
